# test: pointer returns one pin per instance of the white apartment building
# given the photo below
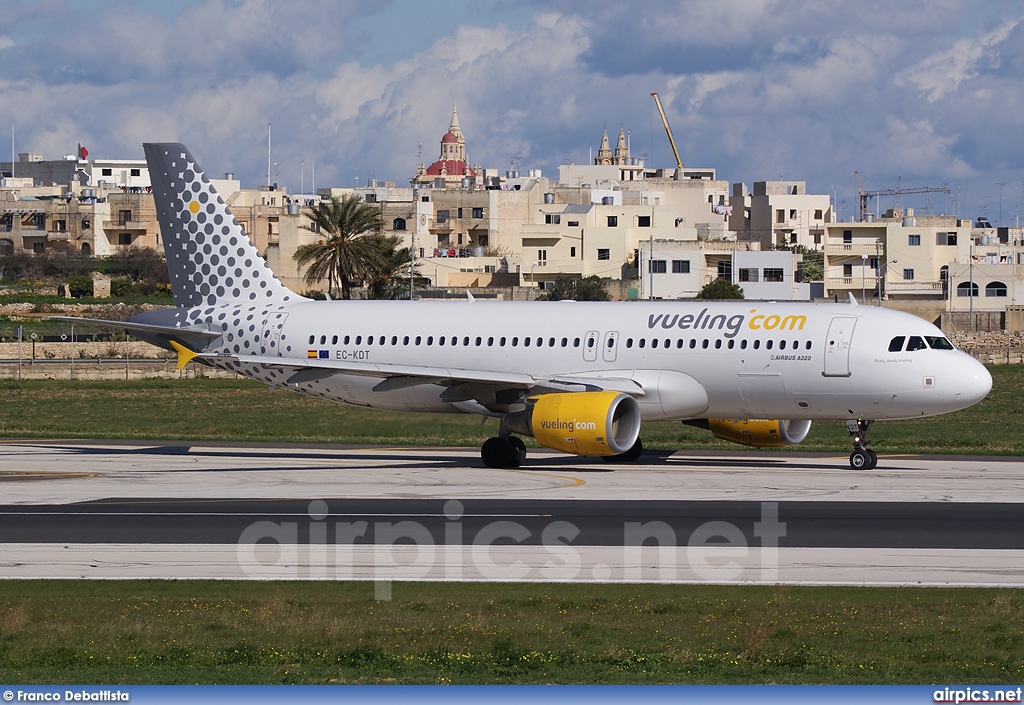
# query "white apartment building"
(780, 214)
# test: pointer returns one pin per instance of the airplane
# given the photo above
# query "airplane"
(578, 377)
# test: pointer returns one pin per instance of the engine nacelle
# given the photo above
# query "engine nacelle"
(761, 433)
(582, 423)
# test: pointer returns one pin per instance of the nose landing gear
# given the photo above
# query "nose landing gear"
(862, 457)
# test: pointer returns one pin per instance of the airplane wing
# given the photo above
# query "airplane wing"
(198, 335)
(396, 376)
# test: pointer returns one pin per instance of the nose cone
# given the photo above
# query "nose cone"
(973, 382)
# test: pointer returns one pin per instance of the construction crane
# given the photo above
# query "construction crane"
(864, 194)
(668, 130)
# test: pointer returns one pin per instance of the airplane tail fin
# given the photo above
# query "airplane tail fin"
(210, 258)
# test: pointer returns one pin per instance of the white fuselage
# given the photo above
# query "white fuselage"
(693, 359)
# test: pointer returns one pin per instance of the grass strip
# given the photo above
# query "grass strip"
(125, 632)
(245, 411)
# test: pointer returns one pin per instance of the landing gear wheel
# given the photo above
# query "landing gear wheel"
(862, 458)
(499, 452)
(630, 456)
(519, 447)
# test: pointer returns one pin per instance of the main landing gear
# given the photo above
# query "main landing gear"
(862, 457)
(503, 452)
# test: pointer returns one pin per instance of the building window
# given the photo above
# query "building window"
(136, 172)
(603, 253)
(398, 224)
(106, 172)
(442, 216)
(847, 237)
(613, 221)
(643, 221)
(780, 216)
(966, 289)
(369, 198)
(424, 199)
(478, 212)
(574, 223)
(542, 256)
(459, 211)
(873, 262)
(818, 214)
(39, 220)
(748, 275)
(39, 247)
(847, 270)
(680, 266)
(792, 213)
(124, 238)
(657, 266)
(995, 289)
(572, 251)
(945, 238)
(552, 218)
(86, 224)
(908, 274)
(60, 226)
(774, 275)
(725, 269)
(914, 240)
(123, 217)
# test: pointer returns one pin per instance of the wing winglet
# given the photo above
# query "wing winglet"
(185, 355)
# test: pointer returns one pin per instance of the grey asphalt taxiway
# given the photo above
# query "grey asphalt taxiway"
(170, 510)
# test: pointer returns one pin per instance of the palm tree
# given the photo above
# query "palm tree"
(347, 251)
(390, 278)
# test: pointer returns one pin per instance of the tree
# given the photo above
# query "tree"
(389, 279)
(721, 289)
(347, 252)
(586, 289)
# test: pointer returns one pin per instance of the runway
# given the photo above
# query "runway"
(121, 510)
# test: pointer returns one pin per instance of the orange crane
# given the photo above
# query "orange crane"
(664, 120)
(864, 194)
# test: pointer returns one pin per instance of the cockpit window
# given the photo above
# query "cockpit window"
(937, 342)
(896, 344)
(916, 342)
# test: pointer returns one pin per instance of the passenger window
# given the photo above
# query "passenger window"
(643, 342)
(732, 343)
(440, 341)
(526, 342)
(575, 342)
(743, 344)
(465, 341)
(394, 340)
(490, 341)
(704, 344)
(418, 339)
(359, 339)
(915, 343)
(323, 339)
(807, 345)
(611, 343)
(382, 340)
(668, 343)
(768, 345)
(629, 342)
(430, 340)
(565, 342)
(347, 339)
(312, 339)
(590, 342)
(654, 343)
(757, 345)
(782, 345)
(405, 340)
(679, 343)
(515, 340)
(479, 340)
(896, 344)
(718, 344)
(369, 340)
(334, 340)
(501, 342)
(551, 342)
(693, 343)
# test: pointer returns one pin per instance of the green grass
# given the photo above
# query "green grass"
(241, 410)
(233, 632)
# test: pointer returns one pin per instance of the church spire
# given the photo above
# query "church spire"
(454, 126)
(604, 152)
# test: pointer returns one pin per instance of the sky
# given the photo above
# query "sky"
(915, 93)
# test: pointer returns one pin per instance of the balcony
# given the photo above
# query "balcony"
(845, 282)
(855, 249)
(57, 235)
(914, 286)
(125, 224)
